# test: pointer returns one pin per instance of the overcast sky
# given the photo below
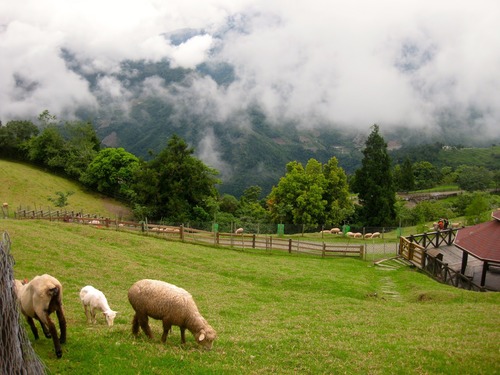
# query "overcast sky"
(352, 62)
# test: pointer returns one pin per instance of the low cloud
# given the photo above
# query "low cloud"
(336, 63)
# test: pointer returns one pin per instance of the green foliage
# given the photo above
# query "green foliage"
(404, 178)
(67, 148)
(476, 210)
(426, 175)
(61, 199)
(112, 172)
(176, 186)
(13, 136)
(313, 195)
(472, 178)
(374, 182)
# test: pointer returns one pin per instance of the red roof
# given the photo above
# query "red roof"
(482, 240)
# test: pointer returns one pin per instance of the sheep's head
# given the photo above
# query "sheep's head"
(206, 337)
(110, 317)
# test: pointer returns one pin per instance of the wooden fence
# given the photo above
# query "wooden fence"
(238, 241)
(416, 249)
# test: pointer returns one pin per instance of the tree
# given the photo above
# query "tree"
(176, 186)
(112, 172)
(406, 181)
(426, 175)
(336, 194)
(82, 146)
(472, 178)
(61, 199)
(48, 149)
(476, 212)
(13, 136)
(374, 183)
(312, 195)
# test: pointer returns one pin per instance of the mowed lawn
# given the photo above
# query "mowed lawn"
(274, 313)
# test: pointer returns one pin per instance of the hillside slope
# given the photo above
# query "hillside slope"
(28, 187)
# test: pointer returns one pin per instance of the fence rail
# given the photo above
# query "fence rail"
(415, 248)
(187, 234)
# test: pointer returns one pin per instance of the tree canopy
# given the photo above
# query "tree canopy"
(312, 195)
(176, 186)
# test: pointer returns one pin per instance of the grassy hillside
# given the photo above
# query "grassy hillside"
(28, 187)
(274, 313)
(486, 157)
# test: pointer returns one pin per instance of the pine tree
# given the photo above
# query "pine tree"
(374, 183)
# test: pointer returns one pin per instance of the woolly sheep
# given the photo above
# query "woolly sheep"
(335, 230)
(93, 299)
(358, 235)
(173, 306)
(455, 225)
(368, 235)
(376, 235)
(239, 231)
(38, 299)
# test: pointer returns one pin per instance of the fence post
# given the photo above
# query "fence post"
(323, 251)
(290, 246)
(362, 251)
(181, 231)
(253, 241)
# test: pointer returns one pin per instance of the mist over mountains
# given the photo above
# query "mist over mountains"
(253, 84)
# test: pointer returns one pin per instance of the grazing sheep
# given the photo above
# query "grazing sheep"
(358, 235)
(350, 234)
(239, 231)
(335, 231)
(455, 225)
(376, 235)
(368, 235)
(38, 299)
(173, 306)
(92, 300)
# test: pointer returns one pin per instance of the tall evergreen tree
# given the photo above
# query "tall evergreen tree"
(407, 182)
(374, 183)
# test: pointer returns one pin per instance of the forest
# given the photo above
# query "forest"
(174, 186)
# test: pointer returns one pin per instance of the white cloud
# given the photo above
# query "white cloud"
(352, 63)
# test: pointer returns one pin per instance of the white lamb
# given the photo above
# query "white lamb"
(239, 231)
(92, 300)
(38, 299)
(173, 306)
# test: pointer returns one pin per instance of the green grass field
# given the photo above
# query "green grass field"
(274, 313)
(25, 186)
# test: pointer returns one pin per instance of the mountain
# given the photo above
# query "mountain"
(145, 103)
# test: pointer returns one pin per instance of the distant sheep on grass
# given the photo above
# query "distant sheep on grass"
(93, 300)
(38, 299)
(173, 306)
(239, 231)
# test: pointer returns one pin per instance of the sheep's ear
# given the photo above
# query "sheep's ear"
(202, 336)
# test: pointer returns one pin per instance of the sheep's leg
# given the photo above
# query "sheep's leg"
(166, 328)
(135, 325)
(92, 314)
(33, 327)
(55, 339)
(62, 324)
(87, 313)
(45, 330)
(143, 322)
(183, 335)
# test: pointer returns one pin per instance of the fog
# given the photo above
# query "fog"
(340, 63)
